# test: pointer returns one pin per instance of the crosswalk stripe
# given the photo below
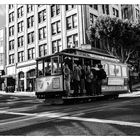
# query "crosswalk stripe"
(68, 117)
(134, 124)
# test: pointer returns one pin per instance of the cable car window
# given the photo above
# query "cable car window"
(105, 66)
(40, 68)
(47, 65)
(56, 65)
(118, 71)
(124, 71)
(112, 70)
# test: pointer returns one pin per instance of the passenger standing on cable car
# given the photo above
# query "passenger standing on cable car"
(48, 70)
(101, 74)
(67, 79)
(82, 79)
(76, 79)
(89, 77)
(94, 80)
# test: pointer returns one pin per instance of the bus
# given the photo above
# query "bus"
(50, 83)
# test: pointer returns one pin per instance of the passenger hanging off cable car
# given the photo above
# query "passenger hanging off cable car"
(94, 80)
(67, 79)
(89, 77)
(82, 80)
(101, 74)
(76, 79)
(48, 70)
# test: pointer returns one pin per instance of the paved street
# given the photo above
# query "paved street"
(26, 115)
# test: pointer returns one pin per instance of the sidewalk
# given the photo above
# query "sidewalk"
(18, 93)
(136, 87)
(131, 94)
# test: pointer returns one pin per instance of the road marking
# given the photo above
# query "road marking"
(67, 117)
(102, 121)
(22, 108)
(3, 108)
(17, 113)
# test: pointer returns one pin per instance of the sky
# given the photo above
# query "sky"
(2, 15)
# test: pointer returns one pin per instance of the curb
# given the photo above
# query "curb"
(18, 93)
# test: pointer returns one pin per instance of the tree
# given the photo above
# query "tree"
(121, 36)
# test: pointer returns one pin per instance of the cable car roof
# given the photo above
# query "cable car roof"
(80, 52)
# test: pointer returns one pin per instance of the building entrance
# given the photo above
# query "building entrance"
(31, 80)
(21, 81)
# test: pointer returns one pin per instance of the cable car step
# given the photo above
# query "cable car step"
(82, 97)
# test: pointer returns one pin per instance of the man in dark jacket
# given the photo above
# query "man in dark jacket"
(101, 74)
(94, 80)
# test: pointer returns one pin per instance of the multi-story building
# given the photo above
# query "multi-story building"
(131, 12)
(2, 55)
(38, 30)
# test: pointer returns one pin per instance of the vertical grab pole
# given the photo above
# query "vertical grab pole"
(62, 60)
(72, 63)
(82, 61)
(91, 62)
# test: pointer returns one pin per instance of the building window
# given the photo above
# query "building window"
(92, 18)
(105, 8)
(137, 13)
(20, 12)
(1, 59)
(11, 44)
(29, 8)
(72, 41)
(30, 22)
(11, 59)
(125, 13)
(56, 27)
(20, 41)
(70, 6)
(115, 12)
(21, 56)
(56, 46)
(39, 5)
(42, 33)
(71, 22)
(11, 17)
(31, 53)
(42, 16)
(30, 38)
(11, 6)
(20, 27)
(94, 6)
(42, 50)
(11, 30)
(55, 10)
